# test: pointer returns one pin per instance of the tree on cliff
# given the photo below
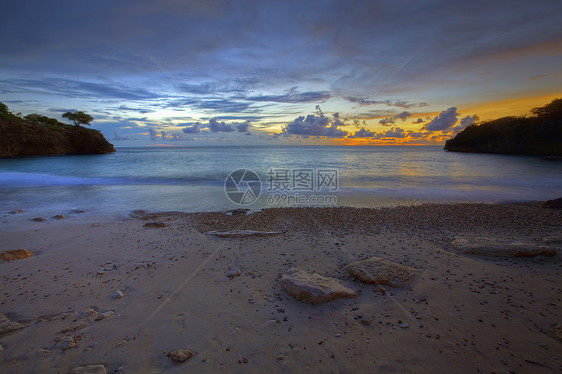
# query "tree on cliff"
(78, 118)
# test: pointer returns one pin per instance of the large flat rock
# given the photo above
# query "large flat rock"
(242, 233)
(500, 247)
(15, 254)
(7, 325)
(376, 270)
(314, 288)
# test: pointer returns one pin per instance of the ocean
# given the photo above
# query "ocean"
(194, 179)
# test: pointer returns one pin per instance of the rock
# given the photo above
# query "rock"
(404, 325)
(238, 212)
(103, 315)
(499, 247)
(376, 270)
(77, 211)
(17, 211)
(118, 294)
(39, 219)
(1, 348)
(89, 369)
(241, 233)
(314, 288)
(139, 213)
(88, 313)
(181, 355)
(552, 239)
(19, 137)
(553, 204)
(15, 254)
(558, 331)
(155, 224)
(68, 342)
(233, 272)
(59, 216)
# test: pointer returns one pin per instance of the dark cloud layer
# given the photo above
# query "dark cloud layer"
(316, 125)
(444, 120)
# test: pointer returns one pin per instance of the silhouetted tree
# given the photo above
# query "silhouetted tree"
(4, 110)
(78, 118)
(549, 111)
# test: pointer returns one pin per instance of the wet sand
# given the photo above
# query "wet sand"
(463, 313)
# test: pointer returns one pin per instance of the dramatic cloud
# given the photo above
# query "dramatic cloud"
(391, 120)
(119, 137)
(444, 120)
(293, 96)
(243, 127)
(216, 126)
(194, 129)
(362, 133)
(316, 125)
(399, 103)
(75, 89)
(468, 120)
(153, 134)
(395, 132)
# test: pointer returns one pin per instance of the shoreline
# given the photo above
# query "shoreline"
(463, 312)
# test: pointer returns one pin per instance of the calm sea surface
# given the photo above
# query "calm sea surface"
(193, 179)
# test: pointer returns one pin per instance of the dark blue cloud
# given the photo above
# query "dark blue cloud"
(193, 129)
(362, 133)
(398, 103)
(75, 88)
(391, 120)
(316, 125)
(444, 120)
(293, 96)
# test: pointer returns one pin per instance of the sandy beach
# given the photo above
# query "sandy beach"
(124, 294)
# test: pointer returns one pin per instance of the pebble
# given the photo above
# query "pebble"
(103, 315)
(181, 355)
(337, 335)
(17, 211)
(59, 216)
(233, 272)
(404, 325)
(118, 294)
(89, 369)
(38, 219)
(1, 348)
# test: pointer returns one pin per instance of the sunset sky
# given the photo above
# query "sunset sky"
(205, 72)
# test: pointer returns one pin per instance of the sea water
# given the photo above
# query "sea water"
(193, 178)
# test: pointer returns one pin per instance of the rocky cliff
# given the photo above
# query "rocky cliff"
(540, 134)
(19, 137)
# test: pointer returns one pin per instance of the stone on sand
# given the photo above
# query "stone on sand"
(7, 325)
(500, 247)
(15, 254)
(553, 204)
(314, 288)
(181, 355)
(156, 224)
(118, 294)
(241, 233)
(89, 369)
(376, 270)
(233, 272)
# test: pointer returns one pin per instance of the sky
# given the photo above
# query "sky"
(210, 72)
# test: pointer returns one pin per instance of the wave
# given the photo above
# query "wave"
(16, 179)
